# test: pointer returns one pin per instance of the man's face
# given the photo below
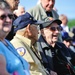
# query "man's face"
(51, 33)
(48, 4)
(20, 11)
(13, 4)
(34, 32)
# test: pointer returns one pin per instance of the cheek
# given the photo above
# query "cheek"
(48, 34)
(1, 24)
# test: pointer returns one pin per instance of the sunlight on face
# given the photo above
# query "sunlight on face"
(48, 4)
(49, 35)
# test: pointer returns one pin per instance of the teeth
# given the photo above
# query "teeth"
(55, 35)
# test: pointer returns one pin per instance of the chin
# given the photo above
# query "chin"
(55, 40)
(7, 30)
(49, 9)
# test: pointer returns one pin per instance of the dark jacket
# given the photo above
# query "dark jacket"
(62, 58)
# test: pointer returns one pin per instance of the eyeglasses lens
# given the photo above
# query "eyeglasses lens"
(2, 17)
(55, 28)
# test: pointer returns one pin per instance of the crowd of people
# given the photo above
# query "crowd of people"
(35, 42)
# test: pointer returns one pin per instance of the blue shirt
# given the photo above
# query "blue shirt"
(14, 62)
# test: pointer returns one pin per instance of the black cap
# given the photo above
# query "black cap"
(49, 22)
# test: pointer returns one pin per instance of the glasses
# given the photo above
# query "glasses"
(2, 17)
(55, 28)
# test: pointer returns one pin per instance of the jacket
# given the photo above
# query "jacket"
(63, 55)
(39, 13)
(25, 49)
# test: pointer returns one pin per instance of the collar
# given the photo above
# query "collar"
(23, 39)
(43, 42)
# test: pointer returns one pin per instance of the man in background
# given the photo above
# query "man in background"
(44, 10)
(19, 11)
(64, 20)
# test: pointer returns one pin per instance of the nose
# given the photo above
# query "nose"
(57, 31)
(8, 19)
(51, 2)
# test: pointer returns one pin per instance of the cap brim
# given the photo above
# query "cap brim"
(48, 23)
(69, 39)
(57, 21)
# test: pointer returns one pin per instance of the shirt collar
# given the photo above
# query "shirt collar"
(23, 39)
(43, 42)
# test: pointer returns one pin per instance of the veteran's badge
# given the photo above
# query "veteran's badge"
(21, 51)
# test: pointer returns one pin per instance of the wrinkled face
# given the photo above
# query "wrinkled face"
(20, 11)
(13, 4)
(34, 32)
(51, 33)
(5, 21)
(48, 4)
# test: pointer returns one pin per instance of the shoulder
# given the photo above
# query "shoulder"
(61, 45)
(34, 10)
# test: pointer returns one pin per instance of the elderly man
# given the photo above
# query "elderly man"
(24, 40)
(19, 11)
(43, 10)
(55, 55)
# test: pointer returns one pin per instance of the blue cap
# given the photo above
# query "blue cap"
(23, 20)
(65, 36)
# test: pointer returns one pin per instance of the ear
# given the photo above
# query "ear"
(42, 32)
(28, 29)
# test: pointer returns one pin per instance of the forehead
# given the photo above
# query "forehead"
(5, 11)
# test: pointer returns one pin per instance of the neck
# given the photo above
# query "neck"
(1, 38)
(32, 41)
(52, 44)
(4, 42)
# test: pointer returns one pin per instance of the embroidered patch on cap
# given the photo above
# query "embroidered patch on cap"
(21, 51)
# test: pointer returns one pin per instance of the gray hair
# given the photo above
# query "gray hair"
(4, 5)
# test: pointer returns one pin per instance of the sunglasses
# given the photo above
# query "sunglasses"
(55, 28)
(2, 17)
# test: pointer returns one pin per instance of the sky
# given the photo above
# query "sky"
(66, 7)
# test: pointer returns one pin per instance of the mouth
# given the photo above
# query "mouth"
(7, 24)
(55, 35)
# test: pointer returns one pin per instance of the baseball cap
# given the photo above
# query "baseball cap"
(23, 20)
(49, 22)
